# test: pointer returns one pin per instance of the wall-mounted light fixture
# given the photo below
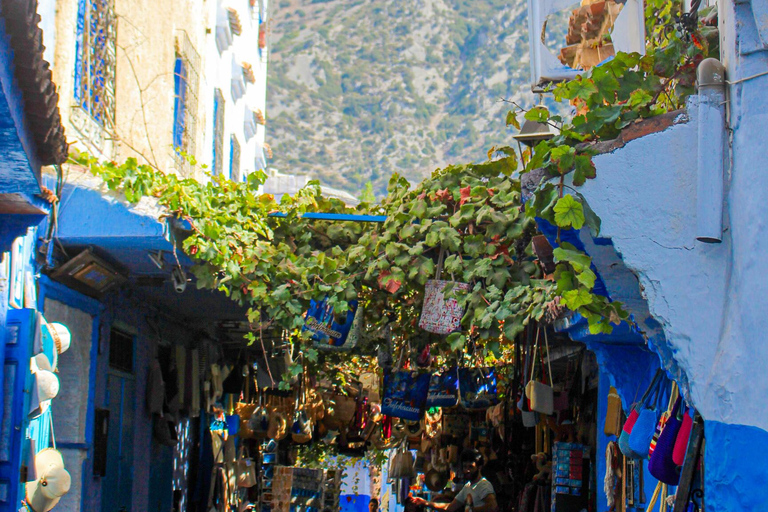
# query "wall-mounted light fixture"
(533, 132)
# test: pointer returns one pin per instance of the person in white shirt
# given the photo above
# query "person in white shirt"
(477, 491)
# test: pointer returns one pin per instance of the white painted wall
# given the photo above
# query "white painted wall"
(218, 74)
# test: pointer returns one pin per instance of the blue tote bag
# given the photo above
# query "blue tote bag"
(645, 426)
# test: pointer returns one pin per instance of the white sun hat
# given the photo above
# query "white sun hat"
(45, 386)
(53, 481)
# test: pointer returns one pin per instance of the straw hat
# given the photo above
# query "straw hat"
(53, 481)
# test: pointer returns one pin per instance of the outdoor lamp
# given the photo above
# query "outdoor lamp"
(533, 132)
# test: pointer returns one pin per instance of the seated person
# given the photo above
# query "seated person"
(478, 491)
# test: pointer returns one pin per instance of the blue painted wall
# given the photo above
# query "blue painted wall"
(703, 304)
(736, 467)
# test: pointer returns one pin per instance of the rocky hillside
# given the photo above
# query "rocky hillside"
(359, 89)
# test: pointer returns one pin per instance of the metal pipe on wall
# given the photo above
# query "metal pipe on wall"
(710, 78)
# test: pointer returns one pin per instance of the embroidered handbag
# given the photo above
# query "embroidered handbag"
(663, 420)
(662, 466)
(540, 394)
(301, 430)
(645, 426)
(681, 443)
(439, 314)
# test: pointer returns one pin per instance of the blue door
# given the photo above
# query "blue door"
(117, 484)
(17, 381)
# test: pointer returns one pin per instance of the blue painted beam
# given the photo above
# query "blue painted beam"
(336, 217)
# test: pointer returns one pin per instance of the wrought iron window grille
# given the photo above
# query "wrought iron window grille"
(96, 61)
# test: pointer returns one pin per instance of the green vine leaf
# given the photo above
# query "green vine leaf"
(569, 212)
(575, 299)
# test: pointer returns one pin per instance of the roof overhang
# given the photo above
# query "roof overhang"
(125, 235)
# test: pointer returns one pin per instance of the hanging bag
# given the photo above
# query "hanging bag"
(444, 389)
(645, 426)
(530, 418)
(663, 419)
(612, 425)
(662, 465)
(629, 425)
(540, 394)
(328, 332)
(246, 470)
(681, 443)
(258, 423)
(402, 463)
(439, 314)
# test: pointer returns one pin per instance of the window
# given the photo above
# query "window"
(234, 159)
(120, 350)
(95, 58)
(218, 133)
(185, 81)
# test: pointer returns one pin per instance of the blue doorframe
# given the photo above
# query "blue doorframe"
(49, 289)
(19, 333)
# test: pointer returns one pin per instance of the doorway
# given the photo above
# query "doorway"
(117, 484)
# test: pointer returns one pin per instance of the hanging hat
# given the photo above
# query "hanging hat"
(61, 336)
(42, 362)
(53, 481)
(45, 387)
(54, 340)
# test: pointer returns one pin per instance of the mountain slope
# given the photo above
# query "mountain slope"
(359, 89)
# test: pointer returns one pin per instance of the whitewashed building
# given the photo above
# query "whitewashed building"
(234, 92)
